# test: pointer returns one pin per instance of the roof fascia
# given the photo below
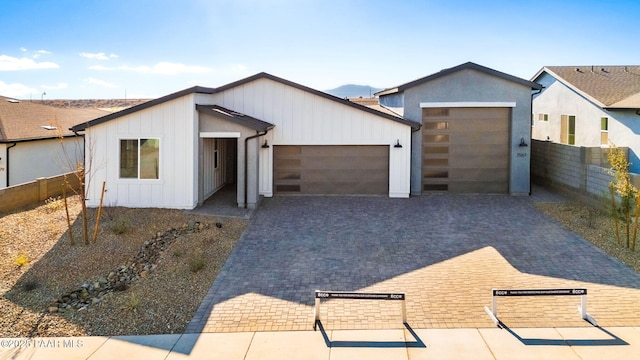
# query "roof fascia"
(414, 125)
(148, 104)
(237, 120)
(473, 66)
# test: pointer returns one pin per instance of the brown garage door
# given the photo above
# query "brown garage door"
(465, 149)
(331, 169)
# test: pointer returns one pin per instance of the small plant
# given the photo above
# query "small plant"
(626, 213)
(133, 303)
(119, 226)
(21, 260)
(178, 253)
(197, 262)
(53, 204)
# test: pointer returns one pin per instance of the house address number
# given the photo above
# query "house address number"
(522, 154)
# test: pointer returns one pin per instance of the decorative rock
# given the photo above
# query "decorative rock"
(143, 274)
(95, 301)
(73, 295)
(53, 309)
(82, 308)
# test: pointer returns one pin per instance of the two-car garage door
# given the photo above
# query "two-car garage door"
(465, 149)
(331, 169)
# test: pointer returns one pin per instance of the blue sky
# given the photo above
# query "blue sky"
(82, 49)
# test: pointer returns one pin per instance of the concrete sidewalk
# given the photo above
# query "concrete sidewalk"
(482, 343)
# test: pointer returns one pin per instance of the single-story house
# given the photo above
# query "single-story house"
(35, 140)
(475, 131)
(589, 106)
(265, 135)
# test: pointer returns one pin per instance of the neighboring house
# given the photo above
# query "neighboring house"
(475, 130)
(35, 140)
(263, 134)
(589, 106)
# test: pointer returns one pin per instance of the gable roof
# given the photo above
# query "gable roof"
(148, 104)
(235, 117)
(610, 87)
(24, 120)
(414, 125)
(467, 65)
(205, 90)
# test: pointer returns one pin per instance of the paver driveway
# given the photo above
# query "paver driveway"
(446, 252)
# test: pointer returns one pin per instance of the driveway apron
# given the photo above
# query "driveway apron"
(444, 251)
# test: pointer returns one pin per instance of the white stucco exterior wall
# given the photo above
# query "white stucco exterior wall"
(29, 160)
(472, 86)
(303, 118)
(558, 99)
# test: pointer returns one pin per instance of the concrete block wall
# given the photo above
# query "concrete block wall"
(14, 197)
(579, 171)
(557, 165)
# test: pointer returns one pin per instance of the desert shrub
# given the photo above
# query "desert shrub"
(197, 262)
(133, 303)
(624, 198)
(54, 204)
(21, 260)
(119, 226)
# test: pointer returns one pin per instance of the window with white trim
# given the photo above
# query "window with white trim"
(604, 131)
(140, 158)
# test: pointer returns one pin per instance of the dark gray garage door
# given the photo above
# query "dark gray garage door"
(331, 169)
(465, 149)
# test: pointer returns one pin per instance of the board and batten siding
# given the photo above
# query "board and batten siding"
(174, 123)
(303, 118)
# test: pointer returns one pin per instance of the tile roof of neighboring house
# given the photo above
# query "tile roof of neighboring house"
(612, 87)
(199, 89)
(235, 117)
(23, 120)
(467, 65)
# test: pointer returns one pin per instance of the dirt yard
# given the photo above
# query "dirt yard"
(112, 287)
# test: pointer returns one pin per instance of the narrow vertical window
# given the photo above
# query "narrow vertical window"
(129, 159)
(604, 131)
(571, 140)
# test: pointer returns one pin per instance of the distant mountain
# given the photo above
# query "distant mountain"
(353, 91)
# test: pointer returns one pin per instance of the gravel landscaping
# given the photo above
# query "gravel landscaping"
(146, 274)
(594, 225)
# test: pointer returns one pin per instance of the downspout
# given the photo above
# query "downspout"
(8, 167)
(246, 165)
(531, 137)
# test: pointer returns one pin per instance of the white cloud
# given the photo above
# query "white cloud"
(9, 63)
(16, 90)
(164, 68)
(23, 49)
(99, 82)
(97, 56)
(238, 68)
(55, 87)
(112, 55)
(43, 52)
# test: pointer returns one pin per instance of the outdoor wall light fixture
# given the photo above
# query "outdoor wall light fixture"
(522, 143)
(265, 145)
(397, 145)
